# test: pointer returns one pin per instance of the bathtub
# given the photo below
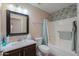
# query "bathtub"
(60, 52)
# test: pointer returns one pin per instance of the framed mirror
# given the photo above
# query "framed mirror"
(17, 23)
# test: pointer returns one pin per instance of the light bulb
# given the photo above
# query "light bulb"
(25, 11)
(19, 10)
(11, 7)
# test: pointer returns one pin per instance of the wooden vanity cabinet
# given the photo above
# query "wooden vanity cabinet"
(29, 51)
(25, 51)
(16, 52)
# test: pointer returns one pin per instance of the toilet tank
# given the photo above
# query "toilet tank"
(39, 40)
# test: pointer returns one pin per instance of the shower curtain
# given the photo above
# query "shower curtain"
(44, 32)
(74, 36)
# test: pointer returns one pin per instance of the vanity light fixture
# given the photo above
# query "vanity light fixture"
(18, 9)
(25, 11)
(11, 7)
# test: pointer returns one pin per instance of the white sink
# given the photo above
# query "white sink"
(18, 44)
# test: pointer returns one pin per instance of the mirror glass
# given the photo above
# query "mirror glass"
(18, 23)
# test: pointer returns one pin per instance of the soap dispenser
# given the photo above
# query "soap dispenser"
(4, 41)
(0, 41)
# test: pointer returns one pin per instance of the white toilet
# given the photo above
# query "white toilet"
(42, 49)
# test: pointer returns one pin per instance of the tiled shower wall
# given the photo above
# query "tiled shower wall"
(68, 12)
(62, 21)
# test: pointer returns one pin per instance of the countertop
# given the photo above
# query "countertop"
(18, 44)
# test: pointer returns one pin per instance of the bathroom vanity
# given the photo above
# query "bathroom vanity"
(24, 51)
(18, 24)
(23, 48)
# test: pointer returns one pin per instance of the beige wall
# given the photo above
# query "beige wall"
(35, 17)
(0, 22)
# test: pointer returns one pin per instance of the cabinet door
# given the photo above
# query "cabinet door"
(13, 53)
(30, 50)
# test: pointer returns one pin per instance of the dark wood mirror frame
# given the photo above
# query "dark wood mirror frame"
(8, 19)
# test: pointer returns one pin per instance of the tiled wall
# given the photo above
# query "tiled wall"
(62, 21)
(61, 15)
(60, 33)
(65, 35)
(68, 12)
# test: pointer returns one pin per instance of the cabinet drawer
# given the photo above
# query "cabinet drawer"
(30, 50)
(16, 52)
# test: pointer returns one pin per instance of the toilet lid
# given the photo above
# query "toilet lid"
(44, 47)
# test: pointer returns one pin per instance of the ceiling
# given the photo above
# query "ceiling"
(50, 7)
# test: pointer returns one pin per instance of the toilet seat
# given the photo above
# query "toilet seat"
(44, 48)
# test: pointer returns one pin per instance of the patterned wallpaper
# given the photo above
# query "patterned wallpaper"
(68, 12)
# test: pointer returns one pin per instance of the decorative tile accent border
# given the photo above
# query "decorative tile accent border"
(65, 35)
(68, 12)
